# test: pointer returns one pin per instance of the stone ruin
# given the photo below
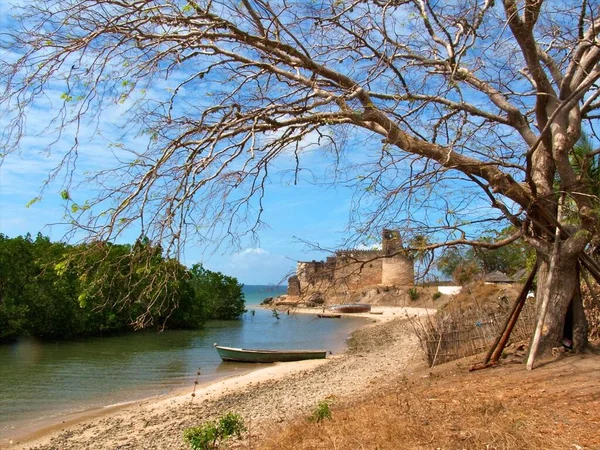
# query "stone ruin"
(350, 270)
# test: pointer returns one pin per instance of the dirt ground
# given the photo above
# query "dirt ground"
(555, 406)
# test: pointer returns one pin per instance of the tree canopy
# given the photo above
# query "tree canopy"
(448, 118)
(46, 293)
(464, 263)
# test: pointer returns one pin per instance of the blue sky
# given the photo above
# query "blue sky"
(293, 213)
(319, 214)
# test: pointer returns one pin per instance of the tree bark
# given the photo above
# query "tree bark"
(579, 321)
(564, 318)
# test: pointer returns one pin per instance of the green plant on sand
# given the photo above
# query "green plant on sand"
(321, 412)
(413, 294)
(210, 435)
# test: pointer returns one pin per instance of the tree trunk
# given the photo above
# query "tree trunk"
(565, 321)
(579, 324)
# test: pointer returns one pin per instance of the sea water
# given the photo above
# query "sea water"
(42, 381)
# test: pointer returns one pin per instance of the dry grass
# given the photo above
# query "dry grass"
(553, 407)
(479, 294)
(556, 406)
(470, 325)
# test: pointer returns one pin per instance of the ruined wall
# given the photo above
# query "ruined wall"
(398, 270)
(294, 286)
(391, 241)
(314, 276)
(355, 269)
(350, 270)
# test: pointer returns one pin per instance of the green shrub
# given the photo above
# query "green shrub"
(321, 412)
(437, 295)
(220, 296)
(210, 435)
(413, 294)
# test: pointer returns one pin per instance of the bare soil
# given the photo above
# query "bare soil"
(556, 406)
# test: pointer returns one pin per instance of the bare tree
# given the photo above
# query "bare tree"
(423, 106)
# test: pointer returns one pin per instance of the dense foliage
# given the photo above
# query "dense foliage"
(54, 290)
(463, 263)
(218, 294)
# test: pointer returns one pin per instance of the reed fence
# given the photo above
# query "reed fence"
(450, 335)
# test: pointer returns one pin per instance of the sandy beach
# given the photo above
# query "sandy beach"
(264, 397)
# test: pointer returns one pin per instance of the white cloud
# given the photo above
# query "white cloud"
(368, 247)
(254, 266)
(250, 251)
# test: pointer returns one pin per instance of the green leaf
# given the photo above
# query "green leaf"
(60, 268)
(82, 299)
(33, 201)
(64, 194)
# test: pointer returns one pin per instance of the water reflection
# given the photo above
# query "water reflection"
(41, 379)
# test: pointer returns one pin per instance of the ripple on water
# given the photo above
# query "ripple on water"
(40, 380)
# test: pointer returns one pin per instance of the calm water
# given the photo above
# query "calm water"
(42, 380)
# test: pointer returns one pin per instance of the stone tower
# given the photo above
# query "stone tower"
(397, 267)
(391, 241)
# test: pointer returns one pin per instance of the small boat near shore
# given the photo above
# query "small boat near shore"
(267, 356)
(329, 316)
(351, 308)
(376, 312)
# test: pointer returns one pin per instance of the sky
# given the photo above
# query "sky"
(294, 213)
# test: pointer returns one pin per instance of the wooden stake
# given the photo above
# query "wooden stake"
(497, 347)
(512, 320)
(438, 348)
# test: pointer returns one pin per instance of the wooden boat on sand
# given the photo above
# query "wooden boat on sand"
(329, 316)
(376, 312)
(267, 356)
(351, 308)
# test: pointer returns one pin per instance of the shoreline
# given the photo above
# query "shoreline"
(21, 429)
(52, 424)
(165, 417)
(383, 313)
